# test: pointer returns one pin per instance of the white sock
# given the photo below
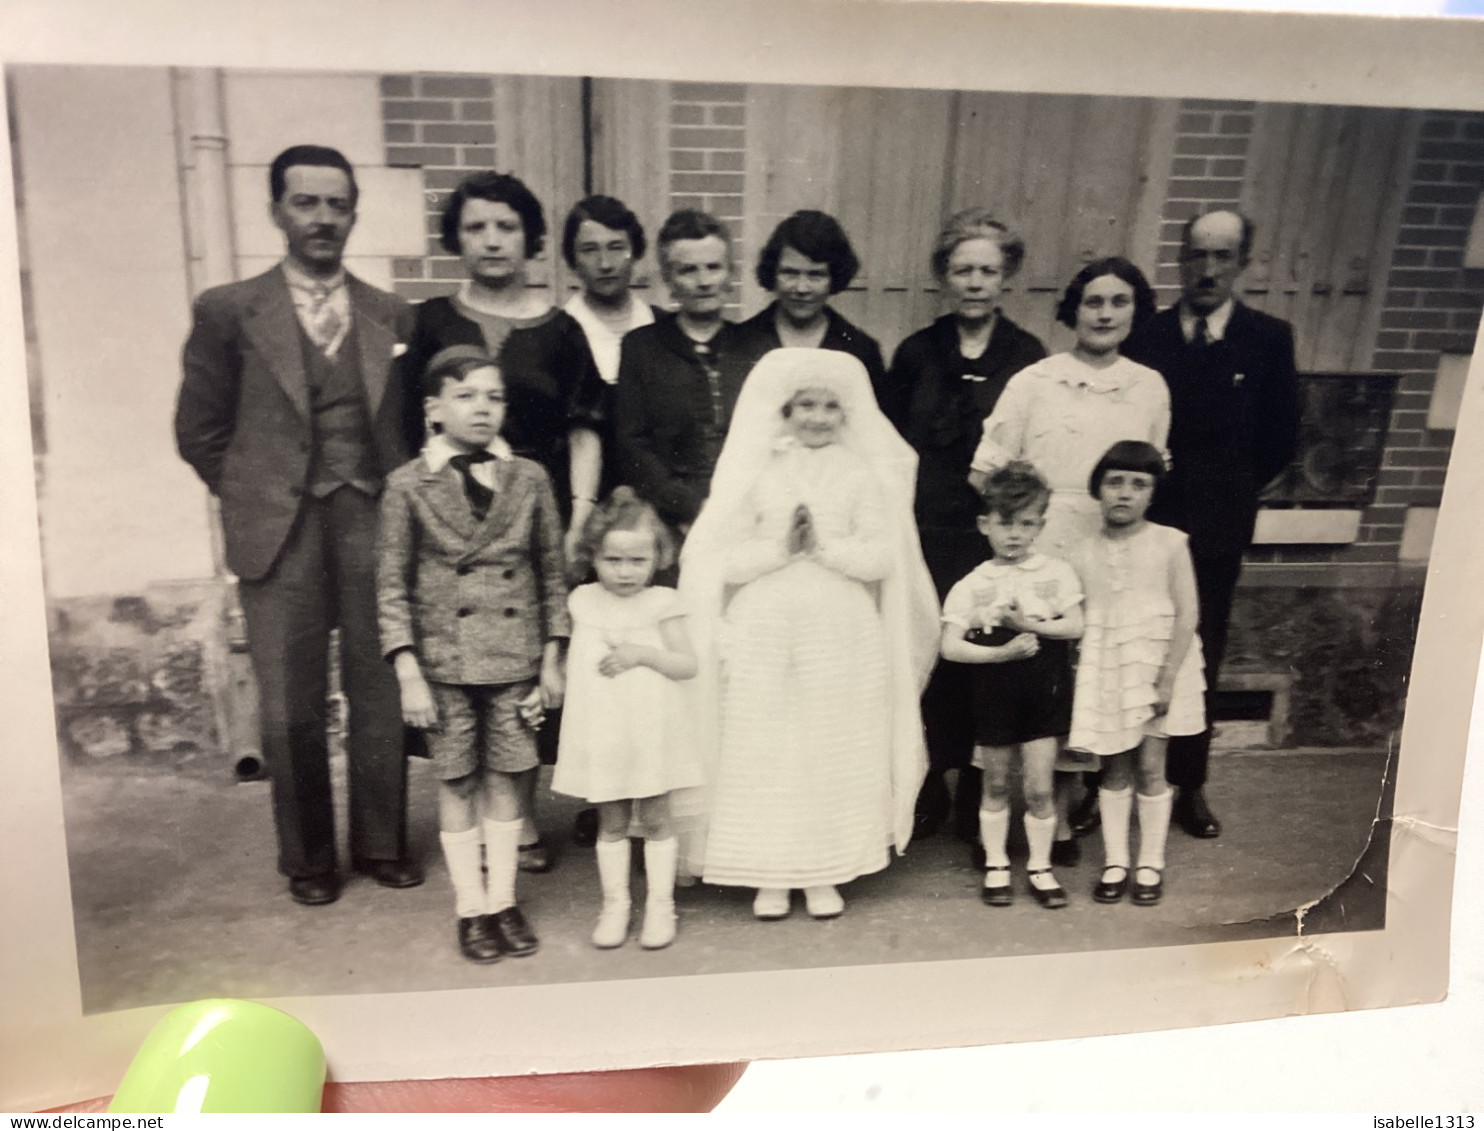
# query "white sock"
(613, 870)
(1039, 833)
(529, 834)
(1117, 806)
(461, 850)
(994, 826)
(501, 849)
(659, 869)
(1154, 828)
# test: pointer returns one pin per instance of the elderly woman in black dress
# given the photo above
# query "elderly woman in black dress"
(806, 261)
(555, 398)
(942, 384)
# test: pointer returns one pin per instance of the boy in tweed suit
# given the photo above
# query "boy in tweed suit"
(473, 612)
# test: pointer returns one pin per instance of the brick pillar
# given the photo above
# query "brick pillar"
(708, 153)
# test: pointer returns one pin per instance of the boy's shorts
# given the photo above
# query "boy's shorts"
(1022, 700)
(479, 727)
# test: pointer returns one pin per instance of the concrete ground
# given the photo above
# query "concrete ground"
(176, 896)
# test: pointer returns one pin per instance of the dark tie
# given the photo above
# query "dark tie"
(1202, 334)
(480, 496)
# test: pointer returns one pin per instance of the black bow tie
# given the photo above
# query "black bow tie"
(480, 496)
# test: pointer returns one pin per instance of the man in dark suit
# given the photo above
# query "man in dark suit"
(1234, 419)
(290, 411)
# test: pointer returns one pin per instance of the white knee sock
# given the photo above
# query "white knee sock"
(501, 854)
(1039, 832)
(461, 850)
(659, 870)
(613, 870)
(994, 826)
(1117, 807)
(1154, 828)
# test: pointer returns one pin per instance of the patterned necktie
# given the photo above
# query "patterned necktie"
(480, 496)
(324, 322)
(1202, 335)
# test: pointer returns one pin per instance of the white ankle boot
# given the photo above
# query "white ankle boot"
(824, 902)
(613, 872)
(659, 901)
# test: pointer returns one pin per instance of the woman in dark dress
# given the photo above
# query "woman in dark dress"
(942, 384)
(806, 261)
(555, 399)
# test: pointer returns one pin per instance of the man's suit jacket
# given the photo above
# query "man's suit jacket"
(1234, 417)
(243, 419)
(476, 600)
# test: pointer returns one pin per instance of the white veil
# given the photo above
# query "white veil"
(908, 601)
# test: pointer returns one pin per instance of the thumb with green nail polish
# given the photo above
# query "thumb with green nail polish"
(223, 1055)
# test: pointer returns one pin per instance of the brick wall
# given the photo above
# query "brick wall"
(444, 125)
(1206, 173)
(708, 153)
(1432, 306)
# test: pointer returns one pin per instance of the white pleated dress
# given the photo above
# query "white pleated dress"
(803, 792)
(1129, 618)
(629, 735)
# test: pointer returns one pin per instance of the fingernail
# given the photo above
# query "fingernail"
(224, 1055)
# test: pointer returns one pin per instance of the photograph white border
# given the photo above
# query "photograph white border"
(49, 1053)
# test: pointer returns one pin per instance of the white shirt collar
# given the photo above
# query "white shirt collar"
(1215, 321)
(1030, 564)
(438, 451)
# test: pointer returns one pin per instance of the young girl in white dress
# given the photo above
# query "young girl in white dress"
(626, 739)
(816, 628)
(1139, 673)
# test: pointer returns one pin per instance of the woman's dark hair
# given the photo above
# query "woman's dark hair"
(814, 235)
(977, 224)
(1120, 268)
(1012, 488)
(497, 188)
(622, 510)
(1127, 455)
(321, 156)
(611, 213)
(688, 224)
(454, 363)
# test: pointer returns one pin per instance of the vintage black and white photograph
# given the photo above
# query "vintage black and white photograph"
(511, 530)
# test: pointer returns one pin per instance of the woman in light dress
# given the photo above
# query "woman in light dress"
(816, 624)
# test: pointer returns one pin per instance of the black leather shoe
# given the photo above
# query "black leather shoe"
(392, 873)
(315, 891)
(534, 857)
(1086, 817)
(1066, 853)
(1193, 815)
(585, 828)
(1001, 896)
(1111, 891)
(477, 942)
(1052, 897)
(1147, 895)
(511, 932)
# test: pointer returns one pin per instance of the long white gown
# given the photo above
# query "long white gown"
(803, 789)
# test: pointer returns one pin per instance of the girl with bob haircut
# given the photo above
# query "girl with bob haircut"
(944, 380)
(1139, 672)
(626, 735)
(816, 626)
(556, 401)
(806, 260)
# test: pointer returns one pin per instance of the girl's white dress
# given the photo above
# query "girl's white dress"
(803, 789)
(629, 735)
(1129, 618)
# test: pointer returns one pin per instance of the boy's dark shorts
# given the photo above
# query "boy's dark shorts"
(480, 728)
(1022, 700)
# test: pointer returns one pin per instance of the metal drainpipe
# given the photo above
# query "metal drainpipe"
(211, 261)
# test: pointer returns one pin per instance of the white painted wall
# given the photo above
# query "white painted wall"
(118, 508)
